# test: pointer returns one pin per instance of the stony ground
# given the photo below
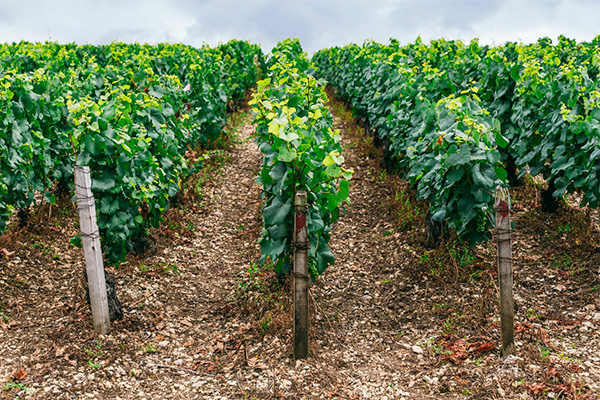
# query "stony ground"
(392, 319)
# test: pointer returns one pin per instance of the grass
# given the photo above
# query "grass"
(150, 349)
(408, 214)
(532, 314)
(265, 325)
(15, 386)
(253, 279)
(94, 354)
(161, 268)
(452, 260)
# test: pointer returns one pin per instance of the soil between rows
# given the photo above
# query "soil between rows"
(392, 319)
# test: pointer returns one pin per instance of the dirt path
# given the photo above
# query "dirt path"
(177, 305)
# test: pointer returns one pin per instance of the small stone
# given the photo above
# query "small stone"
(417, 349)
(501, 392)
(164, 343)
(596, 316)
(285, 383)
(178, 362)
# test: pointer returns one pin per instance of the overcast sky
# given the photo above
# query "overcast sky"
(318, 23)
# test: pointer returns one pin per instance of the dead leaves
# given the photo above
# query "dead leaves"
(226, 343)
(536, 388)
(5, 253)
(551, 374)
(554, 382)
(19, 374)
(569, 389)
(522, 327)
(60, 351)
(187, 323)
(456, 350)
(255, 363)
(7, 325)
(543, 336)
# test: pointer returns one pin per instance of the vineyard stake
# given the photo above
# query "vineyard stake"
(505, 272)
(300, 277)
(92, 251)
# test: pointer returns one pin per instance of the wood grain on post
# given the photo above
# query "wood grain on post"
(92, 251)
(300, 277)
(505, 271)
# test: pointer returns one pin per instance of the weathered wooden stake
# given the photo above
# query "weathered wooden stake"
(92, 251)
(505, 272)
(300, 277)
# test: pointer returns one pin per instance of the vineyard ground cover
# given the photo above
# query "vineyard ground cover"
(391, 319)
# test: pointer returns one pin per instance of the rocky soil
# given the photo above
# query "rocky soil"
(393, 319)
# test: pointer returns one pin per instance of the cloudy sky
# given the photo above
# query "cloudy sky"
(318, 23)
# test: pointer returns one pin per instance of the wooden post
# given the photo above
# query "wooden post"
(300, 277)
(92, 251)
(505, 273)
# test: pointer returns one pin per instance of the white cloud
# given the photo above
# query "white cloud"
(318, 23)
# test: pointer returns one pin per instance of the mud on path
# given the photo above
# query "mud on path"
(391, 319)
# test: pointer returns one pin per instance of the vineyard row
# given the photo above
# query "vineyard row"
(130, 112)
(460, 119)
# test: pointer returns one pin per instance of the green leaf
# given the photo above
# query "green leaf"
(294, 101)
(333, 171)
(480, 178)
(343, 191)
(89, 144)
(278, 172)
(276, 213)
(272, 248)
(502, 174)
(439, 215)
(500, 140)
(156, 91)
(167, 110)
(327, 161)
(287, 156)
(76, 241)
(315, 222)
(261, 85)
(562, 163)
(462, 157)
(455, 174)
(274, 128)
(333, 157)
(278, 232)
(108, 205)
(288, 135)
(156, 117)
(104, 183)
(324, 257)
